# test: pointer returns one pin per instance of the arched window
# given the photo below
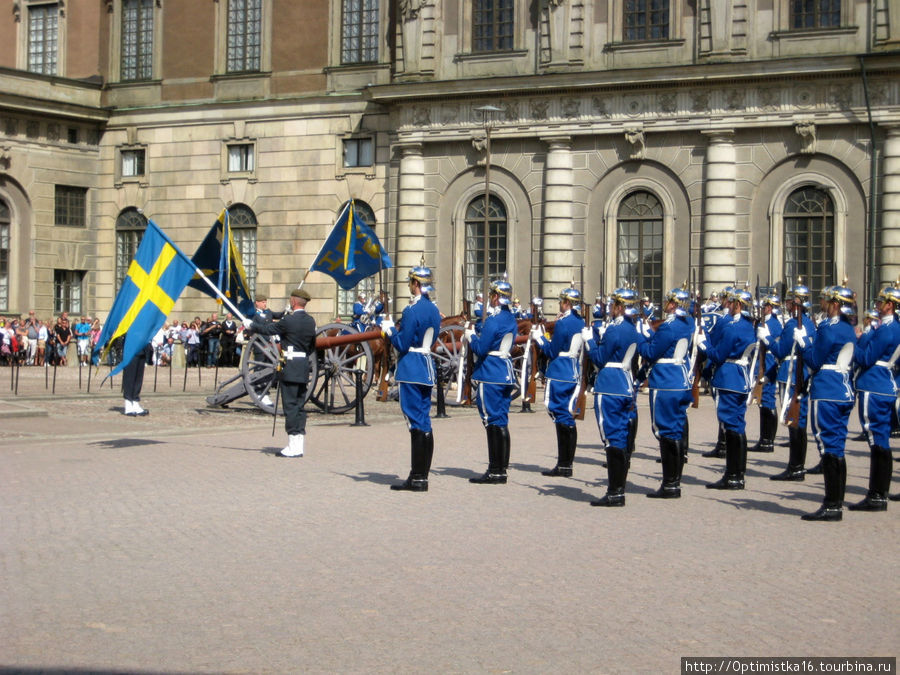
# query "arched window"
(639, 250)
(345, 299)
(498, 227)
(809, 238)
(5, 223)
(243, 231)
(130, 226)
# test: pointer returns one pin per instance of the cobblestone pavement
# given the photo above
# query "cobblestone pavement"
(179, 543)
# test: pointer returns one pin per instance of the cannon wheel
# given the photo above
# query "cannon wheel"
(448, 361)
(334, 390)
(259, 358)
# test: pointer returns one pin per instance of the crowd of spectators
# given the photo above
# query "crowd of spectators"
(32, 341)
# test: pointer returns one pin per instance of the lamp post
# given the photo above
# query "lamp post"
(487, 117)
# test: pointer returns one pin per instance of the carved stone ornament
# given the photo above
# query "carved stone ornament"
(421, 116)
(540, 108)
(734, 99)
(555, 3)
(769, 98)
(700, 101)
(842, 96)
(599, 106)
(409, 9)
(11, 127)
(510, 110)
(571, 107)
(5, 156)
(807, 132)
(635, 137)
(668, 103)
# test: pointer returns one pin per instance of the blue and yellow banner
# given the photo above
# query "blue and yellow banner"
(213, 258)
(352, 251)
(155, 280)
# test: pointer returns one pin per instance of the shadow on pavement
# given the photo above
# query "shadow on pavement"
(124, 443)
(372, 477)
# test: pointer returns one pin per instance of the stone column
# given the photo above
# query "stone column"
(719, 221)
(890, 208)
(559, 259)
(411, 210)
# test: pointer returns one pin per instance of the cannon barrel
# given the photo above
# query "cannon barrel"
(329, 341)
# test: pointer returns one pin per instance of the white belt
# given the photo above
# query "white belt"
(738, 362)
(617, 364)
(884, 364)
(501, 354)
(834, 366)
(672, 361)
(291, 354)
(571, 355)
(420, 350)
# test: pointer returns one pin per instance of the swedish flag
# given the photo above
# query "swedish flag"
(155, 280)
(352, 251)
(213, 258)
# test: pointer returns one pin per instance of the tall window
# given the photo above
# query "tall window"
(137, 39)
(497, 223)
(809, 238)
(67, 291)
(133, 163)
(71, 205)
(43, 34)
(345, 299)
(358, 152)
(359, 31)
(646, 20)
(130, 226)
(5, 223)
(815, 14)
(492, 25)
(240, 158)
(244, 35)
(639, 253)
(243, 229)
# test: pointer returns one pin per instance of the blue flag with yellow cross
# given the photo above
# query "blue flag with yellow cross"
(352, 251)
(216, 254)
(154, 282)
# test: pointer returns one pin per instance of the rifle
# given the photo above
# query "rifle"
(581, 401)
(698, 322)
(384, 383)
(532, 375)
(792, 419)
(466, 361)
(756, 394)
(278, 373)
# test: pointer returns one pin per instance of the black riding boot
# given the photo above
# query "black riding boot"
(817, 469)
(565, 452)
(617, 470)
(421, 451)
(796, 457)
(835, 473)
(881, 465)
(504, 434)
(735, 460)
(719, 450)
(768, 425)
(685, 442)
(495, 473)
(670, 454)
(632, 435)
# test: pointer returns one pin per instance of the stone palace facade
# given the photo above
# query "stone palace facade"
(714, 141)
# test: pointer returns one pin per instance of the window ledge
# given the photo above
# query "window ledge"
(810, 33)
(366, 171)
(639, 45)
(248, 176)
(140, 181)
(128, 84)
(251, 75)
(491, 56)
(368, 65)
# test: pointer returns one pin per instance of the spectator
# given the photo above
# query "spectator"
(96, 329)
(229, 333)
(83, 339)
(41, 342)
(211, 333)
(63, 338)
(32, 326)
(190, 336)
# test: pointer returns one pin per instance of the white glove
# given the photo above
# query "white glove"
(387, 326)
(700, 341)
(587, 334)
(537, 334)
(763, 333)
(468, 333)
(602, 330)
(248, 324)
(645, 329)
(800, 336)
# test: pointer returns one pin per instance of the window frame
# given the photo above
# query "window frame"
(814, 272)
(656, 295)
(343, 300)
(243, 220)
(373, 36)
(265, 42)
(121, 176)
(5, 253)
(128, 238)
(248, 174)
(68, 291)
(465, 31)
(116, 17)
(616, 12)
(473, 236)
(23, 55)
(496, 25)
(784, 24)
(70, 218)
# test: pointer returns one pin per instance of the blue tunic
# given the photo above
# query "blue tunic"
(614, 381)
(659, 350)
(827, 383)
(415, 364)
(564, 365)
(489, 367)
(876, 346)
(725, 352)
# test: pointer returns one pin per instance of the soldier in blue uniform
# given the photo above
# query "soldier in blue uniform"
(783, 348)
(711, 322)
(494, 379)
(768, 417)
(562, 375)
(413, 340)
(875, 355)
(614, 390)
(831, 395)
(670, 387)
(729, 349)
(359, 312)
